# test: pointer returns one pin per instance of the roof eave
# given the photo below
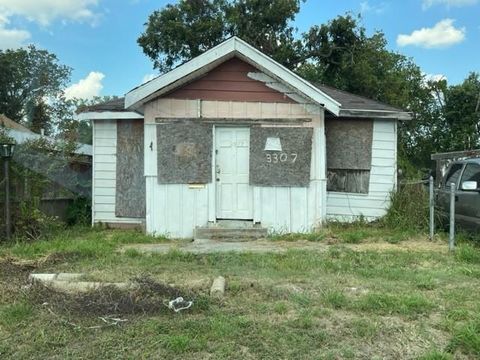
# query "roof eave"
(108, 115)
(377, 114)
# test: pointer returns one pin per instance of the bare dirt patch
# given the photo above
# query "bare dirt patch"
(421, 245)
(146, 297)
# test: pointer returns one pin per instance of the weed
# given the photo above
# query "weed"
(397, 237)
(311, 236)
(177, 343)
(82, 241)
(382, 303)
(305, 321)
(467, 254)
(467, 338)
(335, 299)
(280, 308)
(364, 328)
(133, 253)
(458, 314)
(425, 283)
(436, 355)
(15, 313)
(408, 209)
(301, 299)
(354, 237)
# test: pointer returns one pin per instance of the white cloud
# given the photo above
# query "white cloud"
(442, 35)
(86, 88)
(148, 77)
(426, 4)
(11, 38)
(365, 7)
(46, 11)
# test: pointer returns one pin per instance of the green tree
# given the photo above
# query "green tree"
(28, 77)
(461, 111)
(68, 127)
(342, 55)
(180, 32)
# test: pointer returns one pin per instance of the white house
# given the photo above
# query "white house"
(233, 135)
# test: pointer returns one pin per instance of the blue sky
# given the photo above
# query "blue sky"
(97, 38)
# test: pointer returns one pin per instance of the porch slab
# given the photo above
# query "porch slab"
(231, 231)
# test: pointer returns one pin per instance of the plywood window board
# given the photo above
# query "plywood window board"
(184, 153)
(280, 156)
(349, 154)
(130, 182)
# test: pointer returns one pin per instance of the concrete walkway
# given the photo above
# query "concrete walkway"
(266, 246)
(211, 246)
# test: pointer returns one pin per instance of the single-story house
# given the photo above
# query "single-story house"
(233, 135)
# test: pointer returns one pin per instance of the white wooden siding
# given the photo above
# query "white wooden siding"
(104, 173)
(175, 210)
(346, 206)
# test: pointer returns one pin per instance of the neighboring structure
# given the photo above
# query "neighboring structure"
(21, 134)
(232, 134)
(66, 178)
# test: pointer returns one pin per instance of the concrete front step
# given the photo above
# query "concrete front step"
(231, 234)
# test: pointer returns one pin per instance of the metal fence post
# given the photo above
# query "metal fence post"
(8, 219)
(432, 209)
(451, 239)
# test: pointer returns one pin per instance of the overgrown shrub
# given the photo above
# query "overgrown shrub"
(79, 212)
(409, 208)
(31, 224)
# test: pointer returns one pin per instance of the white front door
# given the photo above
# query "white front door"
(234, 194)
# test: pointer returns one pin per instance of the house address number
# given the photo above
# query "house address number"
(283, 157)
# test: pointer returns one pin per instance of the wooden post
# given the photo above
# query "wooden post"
(432, 208)
(451, 239)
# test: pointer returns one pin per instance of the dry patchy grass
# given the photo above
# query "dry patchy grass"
(372, 299)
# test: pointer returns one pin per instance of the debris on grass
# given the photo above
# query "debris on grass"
(218, 287)
(146, 296)
(70, 282)
(179, 304)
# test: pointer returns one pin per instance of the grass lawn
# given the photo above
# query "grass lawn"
(368, 294)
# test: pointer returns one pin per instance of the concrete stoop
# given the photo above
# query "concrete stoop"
(231, 231)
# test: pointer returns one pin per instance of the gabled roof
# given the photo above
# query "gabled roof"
(10, 124)
(213, 57)
(337, 102)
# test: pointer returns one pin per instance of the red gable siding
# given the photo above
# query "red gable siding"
(229, 82)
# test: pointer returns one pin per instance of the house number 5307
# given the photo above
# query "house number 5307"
(283, 157)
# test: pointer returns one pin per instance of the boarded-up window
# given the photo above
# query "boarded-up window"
(349, 154)
(130, 184)
(280, 156)
(184, 153)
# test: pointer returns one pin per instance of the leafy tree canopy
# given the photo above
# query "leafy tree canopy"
(180, 32)
(30, 80)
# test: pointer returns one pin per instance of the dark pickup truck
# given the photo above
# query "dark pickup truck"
(466, 176)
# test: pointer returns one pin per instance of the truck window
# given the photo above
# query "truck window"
(453, 175)
(471, 173)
